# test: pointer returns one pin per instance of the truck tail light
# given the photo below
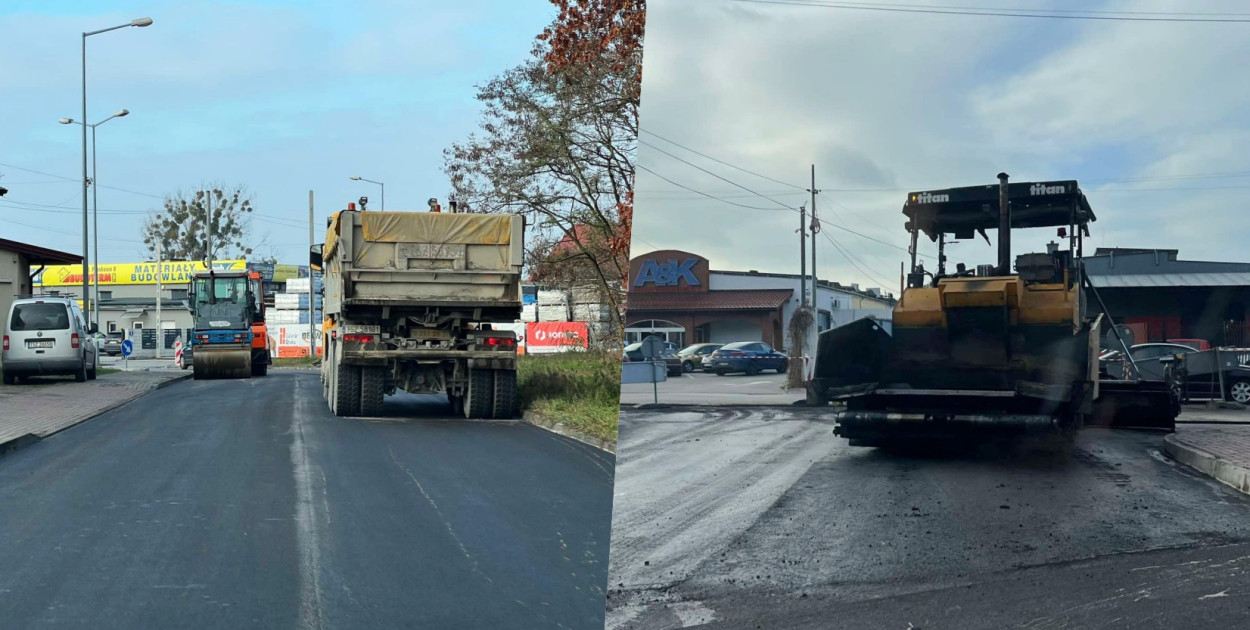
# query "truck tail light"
(6, 342)
(73, 340)
(500, 341)
(360, 337)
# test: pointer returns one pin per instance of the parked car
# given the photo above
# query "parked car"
(186, 358)
(633, 352)
(112, 344)
(746, 356)
(692, 356)
(47, 335)
(1150, 358)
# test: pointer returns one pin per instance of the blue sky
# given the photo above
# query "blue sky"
(1151, 119)
(280, 96)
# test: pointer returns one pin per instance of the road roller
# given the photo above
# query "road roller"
(228, 310)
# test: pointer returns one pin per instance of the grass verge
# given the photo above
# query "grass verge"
(101, 371)
(296, 361)
(581, 389)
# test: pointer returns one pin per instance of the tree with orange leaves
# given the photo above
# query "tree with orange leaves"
(557, 143)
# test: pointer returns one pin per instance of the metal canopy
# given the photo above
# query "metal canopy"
(974, 208)
(133, 314)
(1231, 279)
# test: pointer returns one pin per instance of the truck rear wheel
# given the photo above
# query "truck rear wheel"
(507, 405)
(346, 394)
(479, 400)
(372, 390)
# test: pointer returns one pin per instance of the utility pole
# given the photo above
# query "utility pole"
(208, 226)
(802, 256)
(160, 330)
(312, 285)
(815, 229)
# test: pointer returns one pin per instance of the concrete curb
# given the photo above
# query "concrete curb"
(558, 428)
(21, 442)
(1221, 470)
(679, 406)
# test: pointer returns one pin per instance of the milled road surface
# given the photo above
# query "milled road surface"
(722, 532)
(246, 504)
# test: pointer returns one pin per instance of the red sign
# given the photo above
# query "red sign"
(552, 336)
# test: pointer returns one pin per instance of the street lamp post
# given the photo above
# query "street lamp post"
(357, 178)
(139, 22)
(95, 212)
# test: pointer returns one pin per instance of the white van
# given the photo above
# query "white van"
(47, 335)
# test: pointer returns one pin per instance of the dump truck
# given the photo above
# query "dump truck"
(229, 334)
(986, 352)
(409, 303)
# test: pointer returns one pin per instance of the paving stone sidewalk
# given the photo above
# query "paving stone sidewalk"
(1222, 452)
(47, 405)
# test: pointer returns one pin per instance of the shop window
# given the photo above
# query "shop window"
(666, 330)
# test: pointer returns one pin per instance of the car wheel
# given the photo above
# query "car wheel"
(81, 374)
(91, 373)
(781, 369)
(720, 372)
(752, 369)
(687, 366)
(9, 379)
(1239, 391)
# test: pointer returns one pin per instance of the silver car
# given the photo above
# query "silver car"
(47, 335)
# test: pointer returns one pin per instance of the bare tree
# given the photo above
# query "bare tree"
(181, 226)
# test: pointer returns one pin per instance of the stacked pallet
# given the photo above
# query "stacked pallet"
(553, 306)
(291, 306)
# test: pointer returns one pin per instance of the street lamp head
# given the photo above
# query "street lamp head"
(122, 112)
(66, 121)
(141, 22)
(354, 178)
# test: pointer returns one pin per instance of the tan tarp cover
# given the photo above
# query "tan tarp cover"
(430, 227)
(332, 237)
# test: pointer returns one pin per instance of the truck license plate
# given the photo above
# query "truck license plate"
(430, 333)
(361, 329)
(47, 343)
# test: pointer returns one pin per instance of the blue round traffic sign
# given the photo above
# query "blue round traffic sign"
(128, 347)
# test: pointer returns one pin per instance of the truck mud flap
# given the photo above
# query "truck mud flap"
(1135, 405)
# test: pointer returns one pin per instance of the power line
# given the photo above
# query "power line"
(851, 260)
(1020, 10)
(938, 10)
(718, 161)
(76, 179)
(720, 199)
(729, 181)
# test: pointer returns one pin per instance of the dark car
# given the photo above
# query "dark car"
(633, 352)
(691, 357)
(746, 356)
(1150, 359)
(112, 344)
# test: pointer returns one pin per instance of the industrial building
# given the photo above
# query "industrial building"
(1162, 297)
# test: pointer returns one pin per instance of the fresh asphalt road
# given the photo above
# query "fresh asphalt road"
(763, 519)
(699, 388)
(246, 504)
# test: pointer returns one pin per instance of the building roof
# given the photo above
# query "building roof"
(824, 284)
(1228, 279)
(734, 300)
(1125, 262)
(40, 255)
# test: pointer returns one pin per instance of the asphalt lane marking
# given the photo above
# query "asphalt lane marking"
(311, 607)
